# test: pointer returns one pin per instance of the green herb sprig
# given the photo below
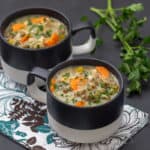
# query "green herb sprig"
(125, 26)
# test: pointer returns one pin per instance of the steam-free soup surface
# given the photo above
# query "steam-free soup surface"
(35, 31)
(84, 85)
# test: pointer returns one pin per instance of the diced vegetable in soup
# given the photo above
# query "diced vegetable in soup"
(35, 31)
(84, 86)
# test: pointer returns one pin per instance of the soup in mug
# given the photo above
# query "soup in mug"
(35, 31)
(84, 86)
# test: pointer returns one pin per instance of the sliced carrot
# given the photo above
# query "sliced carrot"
(37, 20)
(103, 71)
(49, 42)
(24, 38)
(55, 37)
(52, 40)
(18, 26)
(74, 83)
(77, 82)
(80, 103)
(53, 81)
(52, 88)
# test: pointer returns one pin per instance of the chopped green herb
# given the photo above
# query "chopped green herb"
(62, 94)
(86, 74)
(84, 18)
(37, 36)
(48, 33)
(99, 42)
(40, 27)
(125, 25)
(61, 27)
(74, 100)
(56, 86)
(66, 75)
(29, 22)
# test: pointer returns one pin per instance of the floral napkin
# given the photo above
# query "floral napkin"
(24, 120)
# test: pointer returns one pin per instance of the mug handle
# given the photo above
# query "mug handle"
(32, 85)
(90, 44)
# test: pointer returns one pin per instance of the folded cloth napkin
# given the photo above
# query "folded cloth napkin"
(24, 120)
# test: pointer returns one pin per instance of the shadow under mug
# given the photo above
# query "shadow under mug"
(18, 62)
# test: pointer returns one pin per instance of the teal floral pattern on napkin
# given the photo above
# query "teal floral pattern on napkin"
(9, 127)
(25, 120)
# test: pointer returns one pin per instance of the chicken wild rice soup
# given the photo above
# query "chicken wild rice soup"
(35, 31)
(84, 86)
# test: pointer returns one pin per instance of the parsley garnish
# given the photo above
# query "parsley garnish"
(125, 26)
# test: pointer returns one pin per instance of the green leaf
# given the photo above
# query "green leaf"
(84, 18)
(48, 33)
(147, 61)
(43, 128)
(130, 36)
(127, 57)
(145, 77)
(125, 68)
(134, 75)
(144, 69)
(142, 21)
(99, 42)
(146, 40)
(49, 139)
(98, 23)
(40, 27)
(66, 75)
(135, 7)
(134, 86)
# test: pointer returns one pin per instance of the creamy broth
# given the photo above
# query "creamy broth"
(84, 85)
(35, 31)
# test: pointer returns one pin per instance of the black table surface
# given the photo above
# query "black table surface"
(74, 9)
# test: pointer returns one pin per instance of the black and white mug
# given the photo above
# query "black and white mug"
(18, 62)
(82, 124)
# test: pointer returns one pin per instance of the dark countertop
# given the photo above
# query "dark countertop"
(74, 9)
